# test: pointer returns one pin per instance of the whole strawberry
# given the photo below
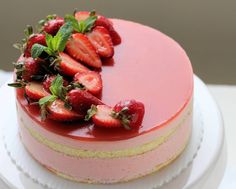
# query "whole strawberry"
(130, 113)
(33, 39)
(81, 100)
(52, 26)
(31, 67)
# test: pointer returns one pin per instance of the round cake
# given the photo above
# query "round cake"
(147, 66)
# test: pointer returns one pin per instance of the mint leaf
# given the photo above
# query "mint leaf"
(49, 41)
(43, 102)
(84, 25)
(62, 36)
(90, 113)
(58, 91)
(56, 86)
(37, 50)
(74, 22)
(47, 99)
(58, 42)
(89, 23)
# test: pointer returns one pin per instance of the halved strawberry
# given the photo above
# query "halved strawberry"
(69, 66)
(81, 15)
(103, 117)
(58, 112)
(101, 21)
(80, 48)
(116, 39)
(106, 23)
(102, 42)
(130, 112)
(35, 91)
(81, 100)
(91, 80)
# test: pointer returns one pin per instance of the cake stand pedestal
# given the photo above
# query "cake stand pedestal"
(192, 177)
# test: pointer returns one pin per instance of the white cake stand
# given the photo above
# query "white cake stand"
(193, 175)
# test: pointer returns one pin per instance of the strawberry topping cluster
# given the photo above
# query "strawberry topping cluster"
(59, 71)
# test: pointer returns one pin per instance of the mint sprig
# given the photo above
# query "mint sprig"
(55, 44)
(83, 26)
(58, 91)
(57, 88)
(43, 103)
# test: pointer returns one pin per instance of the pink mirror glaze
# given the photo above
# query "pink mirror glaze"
(147, 66)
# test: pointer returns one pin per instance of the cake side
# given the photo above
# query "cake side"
(109, 165)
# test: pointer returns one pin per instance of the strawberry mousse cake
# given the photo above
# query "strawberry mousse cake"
(102, 100)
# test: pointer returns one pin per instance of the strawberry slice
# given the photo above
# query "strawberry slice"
(106, 23)
(81, 100)
(81, 15)
(35, 91)
(69, 66)
(80, 48)
(116, 39)
(102, 42)
(103, 117)
(58, 112)
(91, 80)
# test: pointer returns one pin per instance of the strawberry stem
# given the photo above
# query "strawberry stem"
(123, 116)
(90, 113)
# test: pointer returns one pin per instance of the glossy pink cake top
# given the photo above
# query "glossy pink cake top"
(147, 66)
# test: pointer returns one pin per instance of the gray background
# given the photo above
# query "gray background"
(206, 29)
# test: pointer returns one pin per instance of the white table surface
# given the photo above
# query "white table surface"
(226, 99)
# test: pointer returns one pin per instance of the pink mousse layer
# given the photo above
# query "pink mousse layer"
(109, 170)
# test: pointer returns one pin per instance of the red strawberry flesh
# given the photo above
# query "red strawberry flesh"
(69, 66)
(102, 42)
(81, 15)
(102, 21)
(135, 109)
(58, 112)
(81, 100)
(80, 48)
(35, 91)
(105, 22)
(91, 80)
(103, 117)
